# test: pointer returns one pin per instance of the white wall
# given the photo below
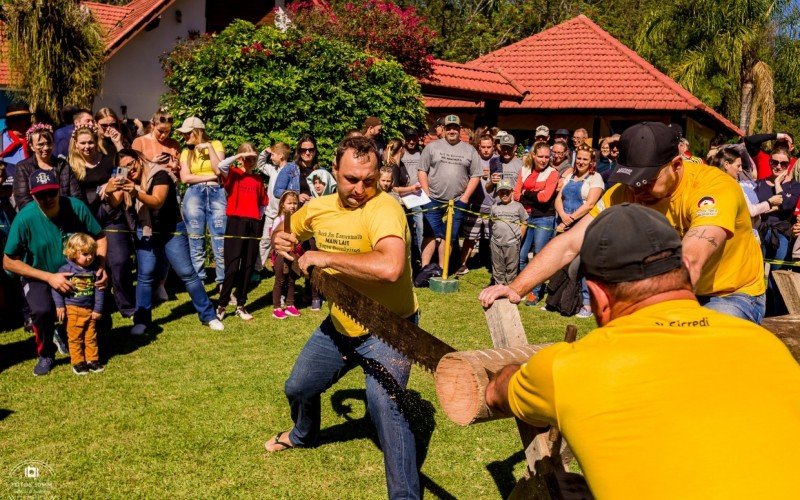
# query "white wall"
(133, 76)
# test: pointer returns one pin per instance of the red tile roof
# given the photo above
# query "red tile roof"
(118, 22)
(578, 65)
(456, 80)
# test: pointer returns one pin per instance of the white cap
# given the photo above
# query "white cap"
(190, 124)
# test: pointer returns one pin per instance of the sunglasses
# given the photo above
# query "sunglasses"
(165, 119)
(307, 150)
(782, 164)
(46, 195)
(107, 125)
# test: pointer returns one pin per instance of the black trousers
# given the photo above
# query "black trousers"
(119, 264)
(240, 257)
(43, 314)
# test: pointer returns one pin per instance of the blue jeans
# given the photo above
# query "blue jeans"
(416, 224)
(204, 206)
(436, 210)
(151, 255)
(739, 305)
(327, 357)
(535, 239)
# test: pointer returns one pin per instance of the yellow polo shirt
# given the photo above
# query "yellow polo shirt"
(672, 401)
(706, 196)
(338, 229)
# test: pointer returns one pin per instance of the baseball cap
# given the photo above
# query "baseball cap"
(452, 120)
(190, 124)
(410, 132)
(372, 121)
(507, 140)
(505, 185)
(643, 149)
(542, 130)
(615, 256)
(42, 180)
(562, 131)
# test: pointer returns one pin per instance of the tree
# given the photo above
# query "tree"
(262, 85)
(378, 27)
(55, 52)
(724, 51)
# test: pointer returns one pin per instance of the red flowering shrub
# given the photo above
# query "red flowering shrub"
(378, 27)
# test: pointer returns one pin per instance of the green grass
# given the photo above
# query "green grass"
(185, 412)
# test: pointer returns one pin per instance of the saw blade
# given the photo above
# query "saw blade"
(409, 339)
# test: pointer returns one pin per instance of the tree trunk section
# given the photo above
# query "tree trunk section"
(747, 106)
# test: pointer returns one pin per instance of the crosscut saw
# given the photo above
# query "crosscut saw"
(409, 339)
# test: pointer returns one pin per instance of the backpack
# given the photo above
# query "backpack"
(426, 273)
(563, 294)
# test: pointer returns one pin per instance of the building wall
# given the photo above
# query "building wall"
(133, 76)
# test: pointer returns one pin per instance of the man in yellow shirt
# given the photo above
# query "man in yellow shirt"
(704, 205)
(363, 237)
(667, 399)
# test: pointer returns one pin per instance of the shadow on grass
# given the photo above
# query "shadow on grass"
(17, 352)
(502, 472)
(4, 413)
(418, 411)
(118, 342)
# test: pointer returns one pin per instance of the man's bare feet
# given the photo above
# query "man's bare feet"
(279, 443)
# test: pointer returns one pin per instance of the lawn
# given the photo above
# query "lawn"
(185, 412)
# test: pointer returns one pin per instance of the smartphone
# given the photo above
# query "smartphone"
(121, 172)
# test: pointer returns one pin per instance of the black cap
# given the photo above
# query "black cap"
(562, 131)
(410, 132)
(643, 149)
(619, 240)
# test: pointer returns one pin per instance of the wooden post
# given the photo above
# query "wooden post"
(786, 328)
(448, 236)
(789, 285)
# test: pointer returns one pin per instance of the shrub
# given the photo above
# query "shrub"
(259, 84)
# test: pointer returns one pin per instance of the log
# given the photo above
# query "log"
(462, 377)
(786, 328)
(505, 325)
(789, 285)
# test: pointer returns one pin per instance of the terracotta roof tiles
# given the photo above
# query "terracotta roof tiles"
(454, 79)
(578, 65)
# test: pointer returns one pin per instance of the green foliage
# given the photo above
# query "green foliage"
(55, 51)
(261, 85)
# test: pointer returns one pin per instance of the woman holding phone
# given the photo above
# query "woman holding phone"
(157, 146)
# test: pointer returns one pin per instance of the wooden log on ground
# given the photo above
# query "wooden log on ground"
(786, 328)
(462, 377)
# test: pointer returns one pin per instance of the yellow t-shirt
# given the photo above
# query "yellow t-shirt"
(672, 401)
(706, 196)
(201, 162)
(338, 229)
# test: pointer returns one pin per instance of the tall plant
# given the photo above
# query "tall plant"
(55, 53)
(724, 51)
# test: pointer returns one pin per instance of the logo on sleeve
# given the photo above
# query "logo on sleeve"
(707, 207)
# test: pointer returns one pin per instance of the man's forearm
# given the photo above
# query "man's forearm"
(471, 186)
(18, 267)
(423, 182)
(497, 390)
(373, 266)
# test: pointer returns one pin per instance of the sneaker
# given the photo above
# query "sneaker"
(95, 366)
(232, 301)
(58, 340)
(216, 325)
(462, 271)
(43, 366)
(278, 313)
(584, 313)
(316, 304)
(243, 314)
(80, 369)
(138, 329)
(544, 308)
(220, 312)
(292, 311)
(531, 299)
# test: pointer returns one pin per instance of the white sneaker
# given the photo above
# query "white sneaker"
(232, 301)
(216, 325)
(243, 314)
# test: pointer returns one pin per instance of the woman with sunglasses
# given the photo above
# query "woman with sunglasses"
(94, 171)
(294, 175)
(113, 136)
(204, 202)
(160, 238)
(41, 142)
(776, 227)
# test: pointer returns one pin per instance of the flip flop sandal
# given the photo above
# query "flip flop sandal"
(277, 440)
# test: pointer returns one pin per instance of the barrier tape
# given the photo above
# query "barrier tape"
(489, 217)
